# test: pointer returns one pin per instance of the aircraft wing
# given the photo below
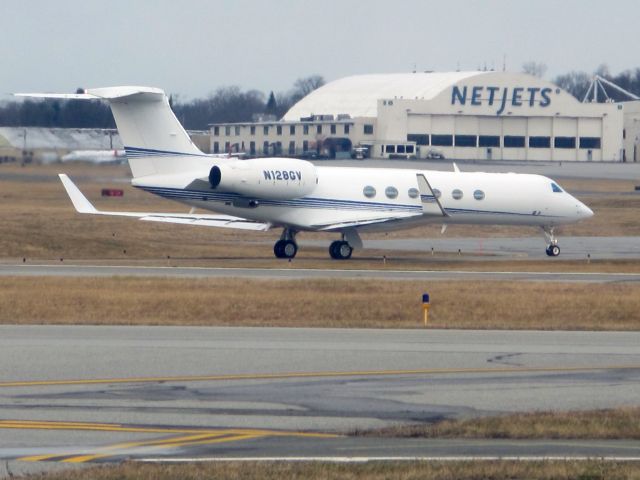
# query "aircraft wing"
(359, 222)
(83, 205)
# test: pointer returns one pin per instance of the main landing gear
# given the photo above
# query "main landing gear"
(553, 250)
(340, 250)
(286, 247)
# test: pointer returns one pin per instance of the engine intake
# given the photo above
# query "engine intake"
(273, 178)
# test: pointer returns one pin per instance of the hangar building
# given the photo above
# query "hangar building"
(454, 115)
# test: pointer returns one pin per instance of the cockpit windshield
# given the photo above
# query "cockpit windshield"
(556, 188)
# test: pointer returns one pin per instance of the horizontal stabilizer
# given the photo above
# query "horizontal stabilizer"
(83, 205)
(430, 203)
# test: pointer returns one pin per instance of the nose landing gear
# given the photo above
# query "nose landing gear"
(553, 250)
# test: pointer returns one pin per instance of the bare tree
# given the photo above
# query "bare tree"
(537, 69)
(304, 86)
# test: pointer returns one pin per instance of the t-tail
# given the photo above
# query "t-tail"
(154, 140)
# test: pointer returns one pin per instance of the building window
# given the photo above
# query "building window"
(216, 147)
(442, 140)
(227, 131)
(237, 130)
(292, 148)
(292, 129)
(253, 130)
(265, 148)
(216, 131)
(564, 142)
(489, 141)
(252, 148)
(227, 147)
(390, 149)
(391, 192)
(318, 129)
(305, 129)
(368, 129)
(279, 130)
(369, 191)
(539, 142)
(456, 194)
(419, 138)
(409, 148)
(265, 130)
(590, 142)
(400, 149)
(305, 146)
(466, 140)
(478, 195)
(413, 193)
(333, 129)
(513, 141)
(346, 129)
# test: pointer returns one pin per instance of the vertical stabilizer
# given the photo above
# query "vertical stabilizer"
(154, 140)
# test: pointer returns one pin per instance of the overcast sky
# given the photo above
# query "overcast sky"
(193, 47)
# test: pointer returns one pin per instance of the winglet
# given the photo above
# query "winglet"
(455, 168)
(430, 203)
(80, 202)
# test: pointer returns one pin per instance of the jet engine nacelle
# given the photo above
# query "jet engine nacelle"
(272, 178)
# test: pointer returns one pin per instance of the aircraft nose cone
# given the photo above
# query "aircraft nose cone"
(585, 211)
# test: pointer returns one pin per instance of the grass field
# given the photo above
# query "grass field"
(318, 303)
(620, 423)
(477, 470)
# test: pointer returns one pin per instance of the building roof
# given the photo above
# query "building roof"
(358, 95)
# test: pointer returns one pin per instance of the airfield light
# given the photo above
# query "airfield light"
(425, 307)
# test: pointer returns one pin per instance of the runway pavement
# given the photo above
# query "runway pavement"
(66, 270)
(91, 394)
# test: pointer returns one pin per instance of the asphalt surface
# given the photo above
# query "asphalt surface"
(66, 270)
(87, 394)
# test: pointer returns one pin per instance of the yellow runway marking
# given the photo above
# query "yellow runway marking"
(269, 376)
(193, 437)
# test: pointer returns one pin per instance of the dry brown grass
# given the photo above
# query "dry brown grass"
(40, 223)
(318, 303)
(619, 423)
(476, 470)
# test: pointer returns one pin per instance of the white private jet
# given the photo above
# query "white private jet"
(296, 196)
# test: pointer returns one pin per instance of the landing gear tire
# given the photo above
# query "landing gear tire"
(553, 250)
(340, 250)
(285, 249)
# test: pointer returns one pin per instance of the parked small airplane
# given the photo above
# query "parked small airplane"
(295, 195)
(95, 156)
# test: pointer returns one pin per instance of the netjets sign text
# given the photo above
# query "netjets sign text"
(501, 97)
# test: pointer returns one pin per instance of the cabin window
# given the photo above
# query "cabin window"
(457, 194)
(413, 193)
(369, 191)
(478, 195)
(391, 192)
(556, 188)
(437, 193)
